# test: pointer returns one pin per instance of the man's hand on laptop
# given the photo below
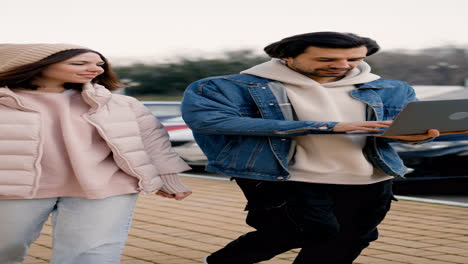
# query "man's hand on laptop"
(372, 126)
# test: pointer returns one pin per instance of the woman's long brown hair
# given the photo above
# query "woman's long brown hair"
(23, 76)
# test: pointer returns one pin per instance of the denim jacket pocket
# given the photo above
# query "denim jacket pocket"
(226, 153)
(256, 153)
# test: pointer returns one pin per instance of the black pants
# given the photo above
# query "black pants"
(330, 223)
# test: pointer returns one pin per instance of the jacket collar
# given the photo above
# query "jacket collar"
(377, 84)
(248, 79)
(94, 95)
(258, 81)
(10, 99)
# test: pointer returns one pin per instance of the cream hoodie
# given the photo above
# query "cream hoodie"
(330, 159)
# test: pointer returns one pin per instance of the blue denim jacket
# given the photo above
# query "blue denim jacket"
(244, 124)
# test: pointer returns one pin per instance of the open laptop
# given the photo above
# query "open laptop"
(418, 117)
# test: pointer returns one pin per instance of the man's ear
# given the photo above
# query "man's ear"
(285, 61)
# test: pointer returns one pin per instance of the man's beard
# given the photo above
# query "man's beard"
(325, 72)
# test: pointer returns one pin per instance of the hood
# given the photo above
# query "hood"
(275, 70)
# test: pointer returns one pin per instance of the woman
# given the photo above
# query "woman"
(71, 148)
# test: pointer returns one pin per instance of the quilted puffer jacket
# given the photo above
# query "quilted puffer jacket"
(138, 141)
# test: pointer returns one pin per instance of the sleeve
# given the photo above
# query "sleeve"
(156, 141)
(207, 110)
(172, 184)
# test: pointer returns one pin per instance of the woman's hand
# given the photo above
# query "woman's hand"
(177, 196)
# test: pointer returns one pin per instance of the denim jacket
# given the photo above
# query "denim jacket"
(244, 124)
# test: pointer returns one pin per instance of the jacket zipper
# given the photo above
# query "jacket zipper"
(37, 164)
(85, 116)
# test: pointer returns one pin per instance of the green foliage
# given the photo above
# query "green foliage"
(173, 78)
(437, 66)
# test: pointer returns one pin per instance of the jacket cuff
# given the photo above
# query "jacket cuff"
(172, 184)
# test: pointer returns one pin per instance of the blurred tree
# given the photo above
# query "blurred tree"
(435, 66)
(173, 78)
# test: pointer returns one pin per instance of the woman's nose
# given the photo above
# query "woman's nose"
(95, 68)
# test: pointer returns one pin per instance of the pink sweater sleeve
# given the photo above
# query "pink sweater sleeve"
(172, 184)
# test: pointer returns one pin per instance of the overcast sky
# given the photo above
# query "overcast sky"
(170, 28)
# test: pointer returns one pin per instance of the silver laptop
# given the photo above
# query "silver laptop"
(418, 117)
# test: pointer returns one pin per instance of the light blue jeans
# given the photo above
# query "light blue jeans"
(84, 231)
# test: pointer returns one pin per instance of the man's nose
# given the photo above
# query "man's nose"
(342, 64)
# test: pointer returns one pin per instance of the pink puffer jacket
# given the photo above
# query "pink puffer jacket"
(139, 142)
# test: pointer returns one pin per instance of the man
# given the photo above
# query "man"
(279, 128)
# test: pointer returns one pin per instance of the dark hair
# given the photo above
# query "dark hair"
(293, 46)
(23, 76)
